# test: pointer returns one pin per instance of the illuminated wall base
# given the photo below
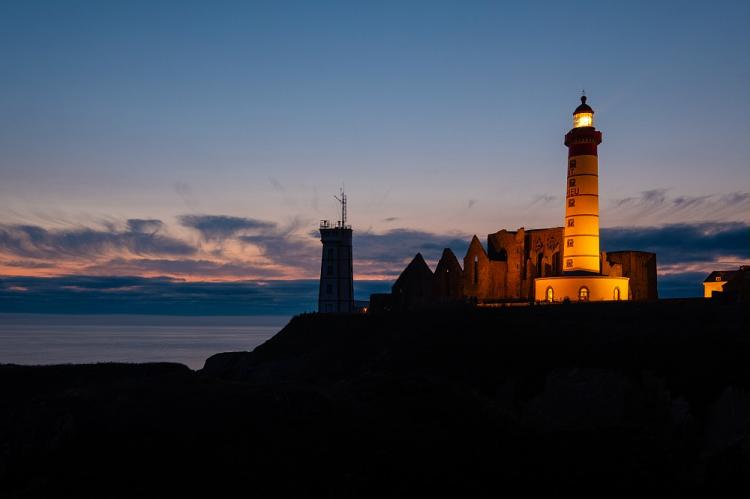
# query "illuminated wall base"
(581, 288)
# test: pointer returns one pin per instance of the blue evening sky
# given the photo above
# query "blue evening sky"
(439, 116)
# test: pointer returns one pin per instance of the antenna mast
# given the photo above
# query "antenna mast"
(342, 200)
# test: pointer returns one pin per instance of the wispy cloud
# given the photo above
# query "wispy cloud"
(289, 246)
(32, 241)
(656, 206)
(147, 226)
(220, 227)
(543, 199)
(234, 248)
(195, 269)
(276, 184)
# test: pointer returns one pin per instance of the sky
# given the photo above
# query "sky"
(204, 141)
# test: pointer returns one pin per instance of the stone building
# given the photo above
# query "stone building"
(640, 267)
(505, 272)
(542, 265)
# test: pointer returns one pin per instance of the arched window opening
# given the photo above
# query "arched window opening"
(476, 270)
(617, 294)
(540, 264)
(583, 294)
(556, 263)
(550, 295)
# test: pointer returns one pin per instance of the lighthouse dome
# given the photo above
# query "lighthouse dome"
(583, 108)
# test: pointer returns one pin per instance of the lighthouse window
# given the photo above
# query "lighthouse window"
(329, 270)
(571, 202)
(617, 294)
(583, 293)
(329, 288)
(568, 263)
(583, 119)
(330, 253)
(550, 294)
(476, 270)
(571, 222)
(570, 243)
(572, 183)
(572, 163)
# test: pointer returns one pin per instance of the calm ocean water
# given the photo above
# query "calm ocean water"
(61, 339)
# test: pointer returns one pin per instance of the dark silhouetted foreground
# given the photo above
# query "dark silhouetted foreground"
(585, 397)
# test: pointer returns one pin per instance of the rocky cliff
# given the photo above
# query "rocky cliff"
(582, 397)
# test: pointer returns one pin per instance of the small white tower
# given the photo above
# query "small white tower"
(336, 293)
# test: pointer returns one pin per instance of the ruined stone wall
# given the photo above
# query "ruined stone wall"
(640, 267)
(543, 250)
(508, 247)
(448, 280)
(476, 271)
(528, 254)
(413, 288)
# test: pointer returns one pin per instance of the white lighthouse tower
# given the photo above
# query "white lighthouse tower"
(582, 278)
(581, 229)
(336, 294)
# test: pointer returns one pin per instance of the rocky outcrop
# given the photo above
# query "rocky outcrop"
(466, 402)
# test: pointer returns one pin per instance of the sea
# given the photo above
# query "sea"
(36, 339)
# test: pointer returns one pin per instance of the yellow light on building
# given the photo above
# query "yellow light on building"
(583, 119)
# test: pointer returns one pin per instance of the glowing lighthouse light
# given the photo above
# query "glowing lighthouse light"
(583, 119)
(583, 115)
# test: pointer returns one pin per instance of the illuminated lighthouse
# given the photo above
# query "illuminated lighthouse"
(583, 276)
(581, 229)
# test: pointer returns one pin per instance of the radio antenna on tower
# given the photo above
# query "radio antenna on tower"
(342, 200)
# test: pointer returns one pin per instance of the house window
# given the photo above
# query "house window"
(571, 202)
(571, 222)
(617, 294)
(568, 263)
(583, 293)
(570, 243)
(550, 295)
(718, 278)
(572, 182)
